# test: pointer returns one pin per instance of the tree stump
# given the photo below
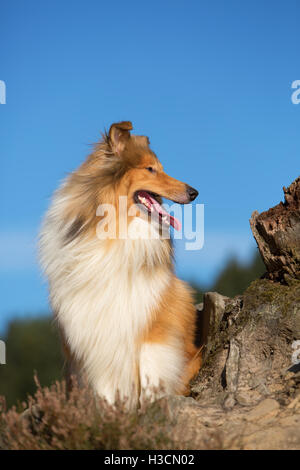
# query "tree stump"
(249, 385)
(277, 234)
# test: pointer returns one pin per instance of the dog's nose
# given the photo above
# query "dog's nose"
(192, 193)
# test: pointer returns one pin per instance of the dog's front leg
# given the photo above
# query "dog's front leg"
(161, 366)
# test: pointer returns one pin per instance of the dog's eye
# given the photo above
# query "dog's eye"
(151, 169)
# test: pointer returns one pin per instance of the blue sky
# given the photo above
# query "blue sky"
(208, 81)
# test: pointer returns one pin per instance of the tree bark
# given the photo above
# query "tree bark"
(277, 233)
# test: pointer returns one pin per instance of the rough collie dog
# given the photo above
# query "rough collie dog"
(127, 322)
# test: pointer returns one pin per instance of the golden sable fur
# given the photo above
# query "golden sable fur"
(127, 322)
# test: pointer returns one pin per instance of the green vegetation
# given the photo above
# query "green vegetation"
(31, 345)
(234, 278)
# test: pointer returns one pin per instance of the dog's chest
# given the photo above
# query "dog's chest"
(112, 298)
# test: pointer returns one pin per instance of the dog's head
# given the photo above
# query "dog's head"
(122, 164)
(144, 181)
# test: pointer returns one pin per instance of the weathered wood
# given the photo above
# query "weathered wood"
(277, 233)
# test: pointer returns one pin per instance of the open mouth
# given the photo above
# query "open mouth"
(151, 204)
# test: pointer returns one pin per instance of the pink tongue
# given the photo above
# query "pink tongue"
(173, 221)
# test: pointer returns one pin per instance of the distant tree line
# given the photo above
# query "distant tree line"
(234, 278)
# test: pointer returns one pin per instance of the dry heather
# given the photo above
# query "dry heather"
(53, 419)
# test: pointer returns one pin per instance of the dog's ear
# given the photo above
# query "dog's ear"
(118, 135)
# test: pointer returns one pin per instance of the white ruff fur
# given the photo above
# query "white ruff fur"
(103, 301)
